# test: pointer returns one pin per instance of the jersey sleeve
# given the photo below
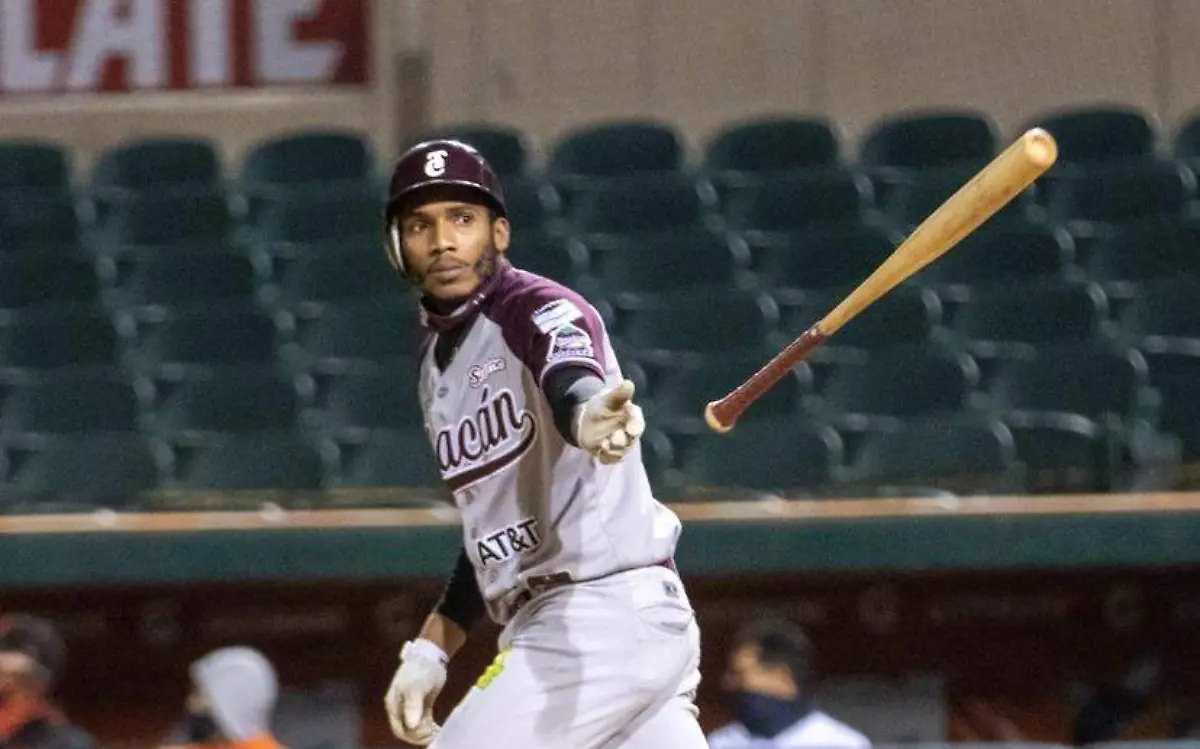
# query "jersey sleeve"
(553, 327)
(461, 601)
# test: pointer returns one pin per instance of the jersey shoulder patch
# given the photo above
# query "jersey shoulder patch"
(554, 315)
(569, 341)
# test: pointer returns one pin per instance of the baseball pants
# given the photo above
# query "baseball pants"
(605, 664)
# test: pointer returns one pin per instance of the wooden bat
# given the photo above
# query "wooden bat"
(975, 202)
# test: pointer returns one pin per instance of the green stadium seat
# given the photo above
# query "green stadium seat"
(1011, 254)
(1063, 453)
(157, 164)
(776, 456)
(47, 280)
(1133, 256)
(558, 258)
(906, 315)
(1187, 140)
(642, 204)
(34, 165)
(1174, 374)
(1100, 133)
(895, 382)
(617, 149)
(281, 461)
(671, 261)
(1122, 193)
(961, 454)
(669, 326)
(72, 402)
(152, 282)
(338, 273)
(389, 457)
(795, 265)
(679, 394)
(101, 468)
(1164, 316)
(231, 399)
(40, 222)
(311, 157)
(771, 144)
(380, 330)
(1000, 322)
(311, 217)
(506, 148)
(162, 219)
(913, 195)
(800, 202)
(533, 205)
(370, 397)
(930, 139)
(184, 338)
(658, 458)
(67, 340)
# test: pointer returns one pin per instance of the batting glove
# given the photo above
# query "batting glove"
(610, 423)
(414, 689)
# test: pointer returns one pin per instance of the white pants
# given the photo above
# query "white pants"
(607, 664)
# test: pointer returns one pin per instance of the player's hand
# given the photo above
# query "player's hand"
(610, 423)
(414, 689)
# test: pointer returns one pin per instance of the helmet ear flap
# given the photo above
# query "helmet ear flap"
(394, 245)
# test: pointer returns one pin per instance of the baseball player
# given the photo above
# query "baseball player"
(536, 434)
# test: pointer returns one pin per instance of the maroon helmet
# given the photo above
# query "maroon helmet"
(438, 162)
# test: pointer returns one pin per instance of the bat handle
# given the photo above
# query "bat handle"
(720, 415)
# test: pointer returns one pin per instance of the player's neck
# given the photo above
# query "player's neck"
(447, 314)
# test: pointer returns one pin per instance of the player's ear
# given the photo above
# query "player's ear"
(501, 234)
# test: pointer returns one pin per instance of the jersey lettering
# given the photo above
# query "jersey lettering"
(555, 314)
(518, 538)
(435, 163)
(467, 451)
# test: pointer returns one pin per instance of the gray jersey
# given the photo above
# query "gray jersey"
(532, 504)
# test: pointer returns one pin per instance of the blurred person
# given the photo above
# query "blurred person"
(231, 703)
(32, 655)
(770, 684)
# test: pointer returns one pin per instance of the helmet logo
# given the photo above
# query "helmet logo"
(435, 163)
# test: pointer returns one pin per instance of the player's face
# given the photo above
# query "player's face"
(449, 246)
(746, 673)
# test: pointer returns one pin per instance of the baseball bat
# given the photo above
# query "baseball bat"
(975, 202)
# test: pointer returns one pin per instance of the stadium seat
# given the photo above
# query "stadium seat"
(102, 468)
(153, 281)
(658, 458)
(617, 149)
(1164, 315)
(1174, 373)
(671, 261)
(913, 195)
(896, 382)
(380, 330)
(639, 205)
(310, 217)
(1137, 255)
(962, 454)
(1014, 253)
(1187, 140)
(679, 393)
(670, 326)
(39, 222)
(370, 397)
(773, 455)
(338, 272)
(390, 457)
(800, 202)
(34, 165)
(71, 402)
(231, 399)
(1063, 453)
(1005, 321)
(157, 164)
(533, 205)
(561, 259)
(280, 461)
(1102, 133)
(162, 219)
(306, 158)
(933, 139)
(796, 264)
(506, 148)
(1116, 194)
(906, 315)
(771, 144)
(47, 280)
(209, 337)
(74, 339)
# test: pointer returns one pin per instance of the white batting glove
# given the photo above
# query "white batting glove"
(610, 423)
(414, 689)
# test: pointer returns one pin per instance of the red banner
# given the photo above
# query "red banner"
(115, 46)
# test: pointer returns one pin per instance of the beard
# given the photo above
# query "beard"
(485, 266)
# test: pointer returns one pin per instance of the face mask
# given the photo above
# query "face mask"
(200, 728)
(763, 715)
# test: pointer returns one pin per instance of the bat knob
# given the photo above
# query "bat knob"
(710, 417)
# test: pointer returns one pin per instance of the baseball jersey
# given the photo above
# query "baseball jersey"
(533, 505)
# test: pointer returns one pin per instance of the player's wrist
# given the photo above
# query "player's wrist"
(421, 647)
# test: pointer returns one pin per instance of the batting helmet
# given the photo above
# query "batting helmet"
(438, 162)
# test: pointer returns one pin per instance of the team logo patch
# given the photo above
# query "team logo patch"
(570, 342)
(435, 163)
(480, 373)
(553, 315)
(512, 540)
